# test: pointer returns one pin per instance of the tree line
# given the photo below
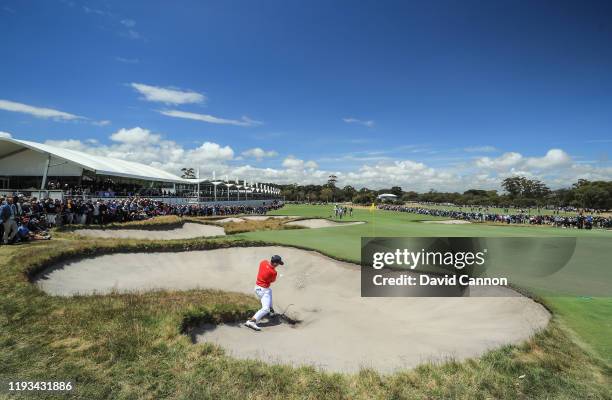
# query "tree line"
(519, 191)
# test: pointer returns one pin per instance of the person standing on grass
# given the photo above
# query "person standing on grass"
(265, 277)
(7, 215)
(2, 211)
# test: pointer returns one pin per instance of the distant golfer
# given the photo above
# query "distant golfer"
(265, 277)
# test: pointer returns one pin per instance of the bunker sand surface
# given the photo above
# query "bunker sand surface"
(187, 231)
(229, 219)
(316, 223)
(252, 218)
(265, 217)
(339, 330)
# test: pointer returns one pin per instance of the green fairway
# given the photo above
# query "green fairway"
(344, 242)
(590, 320)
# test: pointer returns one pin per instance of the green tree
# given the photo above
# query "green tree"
(326, 194)
(596, 194)
(396, 190)
(513, 185)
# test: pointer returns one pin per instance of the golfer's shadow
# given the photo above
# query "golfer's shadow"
(276, 320)
(273, 321)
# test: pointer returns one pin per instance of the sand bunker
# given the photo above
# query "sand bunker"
(265, 217)
(340, 330)
(448, 222)
(315, 223)
(252, 218)
(229, 219)
(187, 231)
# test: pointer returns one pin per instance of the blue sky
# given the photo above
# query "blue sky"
(446, 95)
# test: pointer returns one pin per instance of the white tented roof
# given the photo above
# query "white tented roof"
(98, 164)
(387, 196)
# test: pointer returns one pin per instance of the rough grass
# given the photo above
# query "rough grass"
(131, 346)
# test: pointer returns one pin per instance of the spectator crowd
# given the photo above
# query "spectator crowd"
(579, 221)
(23, 218)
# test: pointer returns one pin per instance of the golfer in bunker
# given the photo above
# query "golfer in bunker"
(265, 277)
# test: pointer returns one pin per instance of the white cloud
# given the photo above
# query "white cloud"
(504, 161)
(259, 153)
(135, 135)
(553, 158)
(89, 10)
(39, 112)
(480, 149)
(599, 141)
(292, 162)
(368, 123)
(104, 122)
(5, 134)
(46, 113)
(244, 121)
(295, 163)
(129, 23)
(132, 34)
(127, 60)
(71, 144)
(409, 174)
(141, 145)
(168, 95)
(211, 151)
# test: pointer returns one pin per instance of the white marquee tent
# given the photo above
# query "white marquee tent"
(24, 158)
(21, 158)
(386, 196)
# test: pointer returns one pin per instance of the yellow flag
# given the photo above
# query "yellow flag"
(372, 207)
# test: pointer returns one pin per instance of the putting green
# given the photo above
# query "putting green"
(588, 317)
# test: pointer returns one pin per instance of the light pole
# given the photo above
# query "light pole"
(229, 186)
(215, 183)
(198, 178)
